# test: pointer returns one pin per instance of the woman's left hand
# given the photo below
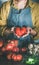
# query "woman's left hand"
(31, 31)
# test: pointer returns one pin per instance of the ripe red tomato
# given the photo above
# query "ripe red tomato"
(15, 49)
(24, 49)
(11, 44)
(9, 47)
(19, 57)
(18, 31)
(1, 43)
(14, 57)
(9, 56)
(23, 30)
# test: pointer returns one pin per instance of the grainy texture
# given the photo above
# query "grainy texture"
(4, 11)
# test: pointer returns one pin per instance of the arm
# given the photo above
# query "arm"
(4, 11)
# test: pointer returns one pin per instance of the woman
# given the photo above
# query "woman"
(20, 13)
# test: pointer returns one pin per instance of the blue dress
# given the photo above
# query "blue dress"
(20, 17)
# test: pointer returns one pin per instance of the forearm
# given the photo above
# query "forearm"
(2, 22)
(2, 28)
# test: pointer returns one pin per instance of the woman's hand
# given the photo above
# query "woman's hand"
(8, 31)
(23, 32)
(20, 31)
(31, 31)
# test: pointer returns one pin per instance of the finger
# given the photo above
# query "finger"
(33, 32)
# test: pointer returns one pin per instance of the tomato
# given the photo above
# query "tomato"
(24, 49)
(11, 44)
(15, 49)
(14, 57)
(18, 31)
(9, 56)
(19, 57)
(21, 31)
(9, 47)
(1, 43)
(24, 30)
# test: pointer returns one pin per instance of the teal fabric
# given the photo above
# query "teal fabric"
(20, 17)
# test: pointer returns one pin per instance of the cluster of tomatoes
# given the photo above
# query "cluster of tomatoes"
(15, 57)
(20, 31)
(12, 45)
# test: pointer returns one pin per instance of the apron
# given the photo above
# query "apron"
(20, 18)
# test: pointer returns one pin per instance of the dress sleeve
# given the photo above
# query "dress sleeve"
(35, 16)
(4, 11)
